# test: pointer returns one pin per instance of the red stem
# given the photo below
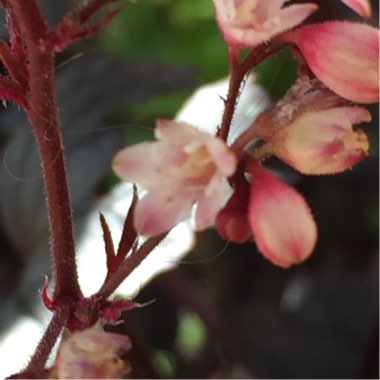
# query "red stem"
(236, 77)
(43, 114)
(128, 266)
(247, 136)
(237, 74)
(42, 352)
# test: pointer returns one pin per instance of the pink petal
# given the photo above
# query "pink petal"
(176, 132)
(266, 8)
(362, 7)
(222, 156)
(209, 205)
(271, 20)
(189, 139)
(343, 55)
(160, 211)
(282, 224)
(134, 163)
(294, 15)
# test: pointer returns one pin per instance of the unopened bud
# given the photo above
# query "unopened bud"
(282, 224)
(231, 222)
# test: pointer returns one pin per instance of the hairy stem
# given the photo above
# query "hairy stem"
(47, 342)
(238, 72)
(236, 77)
(128, 266)
(43, 115)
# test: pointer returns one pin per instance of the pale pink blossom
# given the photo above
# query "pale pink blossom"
(282, 224)
(247, 23)
(362, 7)
(342, 55)
(184, 167)
(323, 142)
(92, 354)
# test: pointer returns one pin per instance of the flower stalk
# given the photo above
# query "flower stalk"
(42, 112)
(238, 72)
(41, 355)
(128, 266)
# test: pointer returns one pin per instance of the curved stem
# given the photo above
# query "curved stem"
(247, 136)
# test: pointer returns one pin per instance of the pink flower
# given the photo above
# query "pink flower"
(342, 55)
(362, 7)
(311, 129)
(323, 142)
(247, 23)
(282, 224)
(92, 354)
(185, 166)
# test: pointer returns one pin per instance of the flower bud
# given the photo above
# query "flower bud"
(323, 142)
(343, 55)
(231, 222)
(282, 224)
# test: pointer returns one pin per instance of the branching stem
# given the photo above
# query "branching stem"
(128, 266)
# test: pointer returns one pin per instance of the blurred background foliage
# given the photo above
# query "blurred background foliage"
(180, 33)
(175, 32)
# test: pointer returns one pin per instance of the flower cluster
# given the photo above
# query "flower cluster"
(312, 129)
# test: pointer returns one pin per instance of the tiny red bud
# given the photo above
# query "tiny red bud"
(231, 222)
